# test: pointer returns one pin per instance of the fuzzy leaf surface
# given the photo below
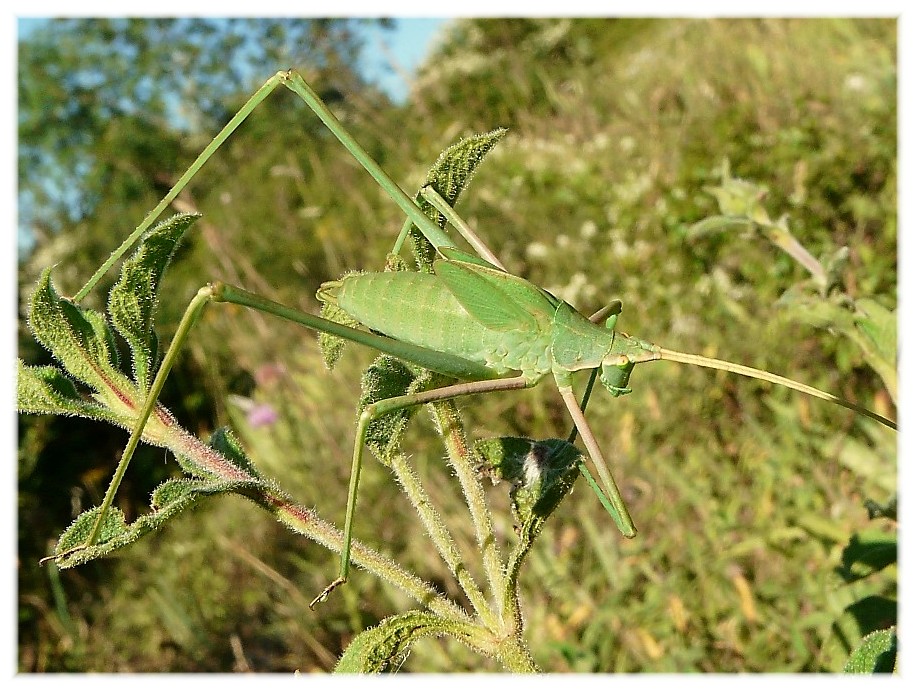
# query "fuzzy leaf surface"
(79, 339)
(449, 176)
(387, 644)
(876, 653)
(168, 500)
(132, 300)
(541, 472)
(47, 390)
(388, 377)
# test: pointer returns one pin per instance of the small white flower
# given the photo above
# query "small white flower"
(855, 82)
(537, 250)
(588, 230)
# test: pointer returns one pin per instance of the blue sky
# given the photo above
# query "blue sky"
(405, 46)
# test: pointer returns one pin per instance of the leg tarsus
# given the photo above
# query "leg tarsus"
(322, 597)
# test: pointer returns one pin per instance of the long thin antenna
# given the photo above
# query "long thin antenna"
(722, 365)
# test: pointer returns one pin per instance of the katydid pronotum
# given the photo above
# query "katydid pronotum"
(470, 319)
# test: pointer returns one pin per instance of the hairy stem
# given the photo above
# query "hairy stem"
(306, 522)
(191, 314)
(440, 536)
(464, 463)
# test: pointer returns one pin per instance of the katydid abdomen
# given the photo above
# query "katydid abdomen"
(417, 308)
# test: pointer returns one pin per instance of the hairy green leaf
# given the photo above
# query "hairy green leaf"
(387, 644)
(132, 300)
(449, 176)
(737, 197)
(331, 345)
(876, 653)
(395, 262)
(114, 534)
(225, 442)
(879, 327)
(834, 265)
(870, 326)
(811, 308)
(168, 500)
(542, 473)
(388, 377)
(46, 390)
(81, 341)
(715, 224)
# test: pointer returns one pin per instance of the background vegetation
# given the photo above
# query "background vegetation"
(748, 499)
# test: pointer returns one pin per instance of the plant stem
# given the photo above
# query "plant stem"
(462, 460)
(307, 523)
(515, 656)
(441, 537)
(781, 237)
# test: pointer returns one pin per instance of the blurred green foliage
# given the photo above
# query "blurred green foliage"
(747, 498)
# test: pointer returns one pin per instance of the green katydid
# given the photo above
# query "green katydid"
(474, 310)
(470, 320)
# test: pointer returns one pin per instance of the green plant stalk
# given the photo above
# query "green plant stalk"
(514, 655)
(441, 537)
(224, 134)
(783, 238)
(886, 372)
(511, 591)
(305, 522)
(463, 461)
(59, 595)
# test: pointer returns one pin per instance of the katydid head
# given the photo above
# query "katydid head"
(616, 367)
(579, 343)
